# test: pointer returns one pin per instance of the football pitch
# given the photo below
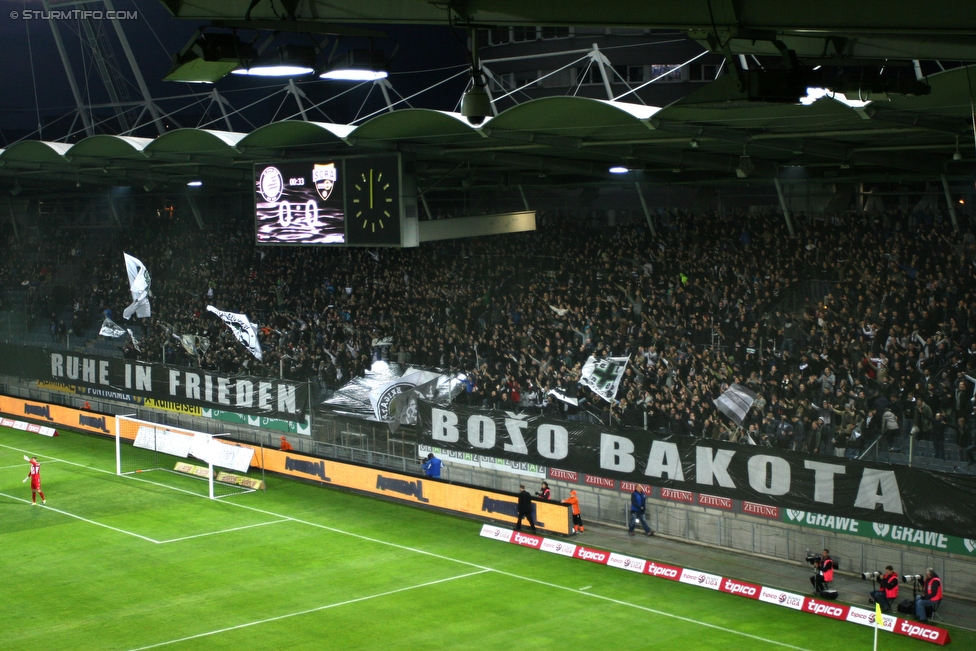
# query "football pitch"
(142, 562)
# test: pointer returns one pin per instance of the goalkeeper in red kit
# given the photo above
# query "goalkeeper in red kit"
(35, 479)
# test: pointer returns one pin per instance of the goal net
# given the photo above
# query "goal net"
(209, 465)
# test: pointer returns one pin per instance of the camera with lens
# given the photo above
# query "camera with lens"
(912, 578)
(813, 559)
(870, 576)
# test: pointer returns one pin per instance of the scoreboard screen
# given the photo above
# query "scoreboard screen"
(343, 201)
(299, 203)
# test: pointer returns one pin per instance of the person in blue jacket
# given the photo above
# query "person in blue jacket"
(432, 467)
(638, 504)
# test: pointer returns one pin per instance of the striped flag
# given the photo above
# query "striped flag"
(245, 331)
(735, 402)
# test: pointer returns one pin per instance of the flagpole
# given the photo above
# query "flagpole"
(878, 623)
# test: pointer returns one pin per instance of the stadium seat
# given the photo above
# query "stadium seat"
(923, 448)
(951, 451)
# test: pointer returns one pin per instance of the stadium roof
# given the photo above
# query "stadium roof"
(562, 141)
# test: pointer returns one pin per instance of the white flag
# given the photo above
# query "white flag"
(735, 402)
(135, 342)
(139, 282)
(111, 329)
(603, 375)
(243, 330)
(560, 394)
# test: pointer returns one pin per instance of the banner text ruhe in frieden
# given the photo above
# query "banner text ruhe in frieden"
(247, 395)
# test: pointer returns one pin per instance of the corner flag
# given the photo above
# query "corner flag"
(878, 623)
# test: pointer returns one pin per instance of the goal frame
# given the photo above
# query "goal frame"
(211, 469)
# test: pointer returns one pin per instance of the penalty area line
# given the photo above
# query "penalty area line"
(214, 533)
(308, 611)
(78, 517)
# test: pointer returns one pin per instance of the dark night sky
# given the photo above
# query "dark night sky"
(155, 36)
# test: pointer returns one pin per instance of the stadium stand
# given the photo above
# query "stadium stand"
(884, 301)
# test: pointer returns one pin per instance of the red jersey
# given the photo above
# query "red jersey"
(35, 474)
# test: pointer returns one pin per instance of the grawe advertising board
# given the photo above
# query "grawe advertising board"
(800, 603)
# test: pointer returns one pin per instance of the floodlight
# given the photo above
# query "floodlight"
(284, 61)
(357, 65)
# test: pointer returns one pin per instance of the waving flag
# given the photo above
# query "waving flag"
(735, 402)
(111, 329)
(139, 282)
(243, 330)
(603, 375)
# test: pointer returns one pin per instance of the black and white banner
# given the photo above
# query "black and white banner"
(245, 331)
(139, 283)
(603, 375)
(735, 402)
(898, 495)
(246, 395)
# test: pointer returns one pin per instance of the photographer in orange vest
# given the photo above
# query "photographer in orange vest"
(888, 589)
(931, 595)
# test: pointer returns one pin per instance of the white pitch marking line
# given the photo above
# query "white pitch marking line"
(214, 533)
(78, 517)
(21, 465)
(656, 612)
(455, 560)
(310, 610)
(585, 587)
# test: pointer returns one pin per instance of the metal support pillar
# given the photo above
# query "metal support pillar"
(385, 89)
(69, 71)
(114, 208)
(297, 93)
(601, 62)
(13, 219)
(952, 206)
(782, 204)
(423, 201)
(525, 200)
(195, 209)
(136, 71)
(219, 100)
(647, 213)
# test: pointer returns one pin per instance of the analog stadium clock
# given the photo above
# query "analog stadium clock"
(373, 201)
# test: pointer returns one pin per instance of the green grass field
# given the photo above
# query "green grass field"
(119, 563)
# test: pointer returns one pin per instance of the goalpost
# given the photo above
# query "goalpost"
(141, 446)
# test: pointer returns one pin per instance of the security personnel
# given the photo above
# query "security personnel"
(432, 467)
(931, 595)
(524, 509)
(573, 501)
(888, 589)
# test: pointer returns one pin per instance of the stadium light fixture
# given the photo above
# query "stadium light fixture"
(194, 184)
(358, 65)
(284, 61)
(618, 169)
(208, 57)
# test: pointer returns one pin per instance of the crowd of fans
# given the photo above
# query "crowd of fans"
(885, 345)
